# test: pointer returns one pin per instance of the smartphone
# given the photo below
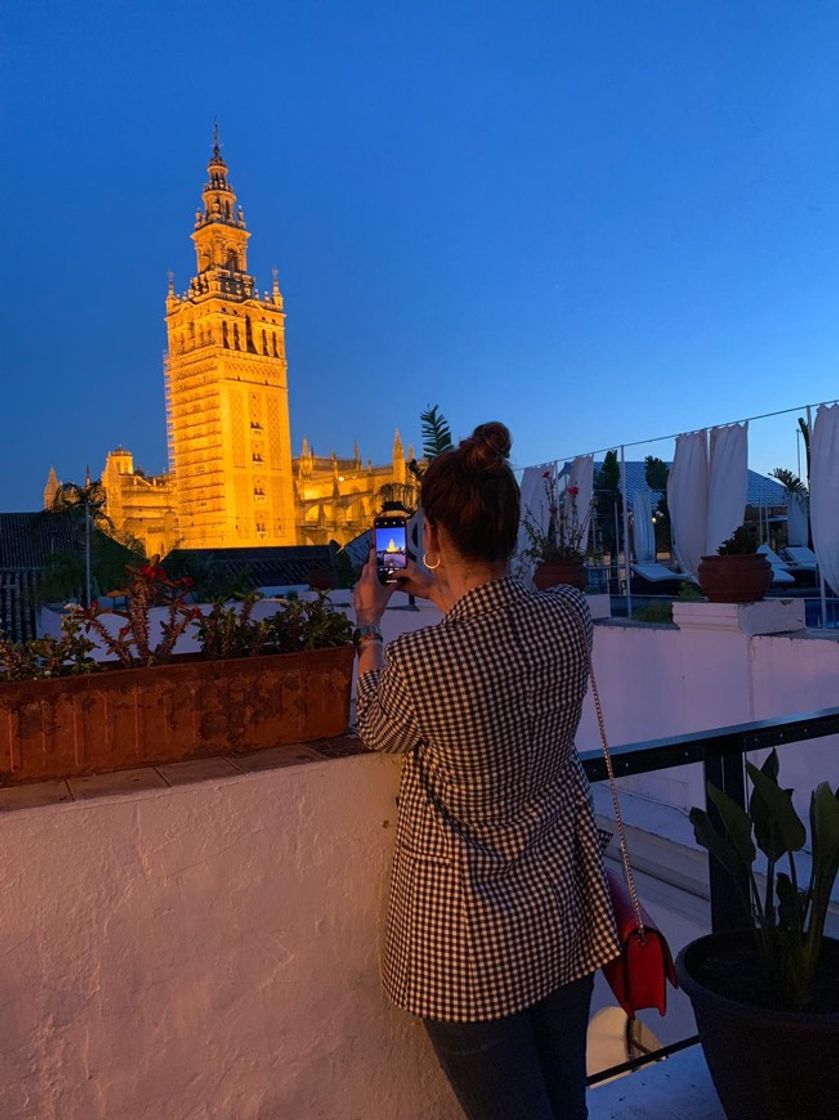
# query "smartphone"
(390, 531)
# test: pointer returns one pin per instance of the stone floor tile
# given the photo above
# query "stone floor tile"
(123, 781)
(274, 757)
(679, 1088)
(35, 795)
(196, 770)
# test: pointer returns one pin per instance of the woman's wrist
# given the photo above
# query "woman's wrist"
(368, 617)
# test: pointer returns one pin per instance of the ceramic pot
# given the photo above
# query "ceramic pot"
(765, 1064)
(551, 574)
(735, 579)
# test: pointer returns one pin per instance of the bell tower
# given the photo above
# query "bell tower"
(227, 387)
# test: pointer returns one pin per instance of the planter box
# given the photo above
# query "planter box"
(123, 718)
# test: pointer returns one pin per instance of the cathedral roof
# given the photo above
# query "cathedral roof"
(278, 566)
(28, 540)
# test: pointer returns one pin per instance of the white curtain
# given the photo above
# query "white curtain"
(797, 515)
(643, 529)
(534, 506)
(727, 481)
(581, 476)
(687, 499)
(824, 492)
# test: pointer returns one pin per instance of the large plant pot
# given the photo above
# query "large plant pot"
(121, 718)
(573, 573)
(765, 1064)
(735, 579)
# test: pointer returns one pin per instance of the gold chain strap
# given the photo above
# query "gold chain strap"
(610, 771)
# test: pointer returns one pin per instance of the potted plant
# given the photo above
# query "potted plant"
(252, 683)
(559, 547)
(772, 987)
(738, 573)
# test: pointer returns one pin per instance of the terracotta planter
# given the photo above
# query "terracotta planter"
(556, 572)
(123, 718)
(735, 579)
(790, 1067)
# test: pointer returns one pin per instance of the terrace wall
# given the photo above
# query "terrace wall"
(660, 681)
(208, 950)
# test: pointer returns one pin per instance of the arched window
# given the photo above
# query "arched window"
(274, 339)
(249, 346)
(264, 344)
(236, 336)
(224, 339)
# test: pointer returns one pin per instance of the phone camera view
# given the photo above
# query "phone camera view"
(390, 548)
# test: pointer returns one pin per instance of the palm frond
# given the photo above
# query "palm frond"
(789, 480)
(436, 434)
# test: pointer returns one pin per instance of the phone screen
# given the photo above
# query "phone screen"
(391, 547)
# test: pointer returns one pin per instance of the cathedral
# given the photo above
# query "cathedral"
(232, 480)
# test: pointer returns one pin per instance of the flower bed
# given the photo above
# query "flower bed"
(256, 684)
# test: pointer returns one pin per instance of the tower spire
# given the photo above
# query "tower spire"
(220, 235)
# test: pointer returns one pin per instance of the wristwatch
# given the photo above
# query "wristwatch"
(365, 633)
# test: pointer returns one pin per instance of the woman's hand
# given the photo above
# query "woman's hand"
(416, 581)
(370, 597)
(426, 585)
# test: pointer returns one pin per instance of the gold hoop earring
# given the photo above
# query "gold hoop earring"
(431, 567)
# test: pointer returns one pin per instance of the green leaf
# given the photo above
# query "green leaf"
(770, 767)
(712, 839)
(825, 818)
(737, 824)
(789, 905)
(778, 828)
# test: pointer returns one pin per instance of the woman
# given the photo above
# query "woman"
(499, 912)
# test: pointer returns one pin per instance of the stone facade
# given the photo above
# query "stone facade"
(232, 481)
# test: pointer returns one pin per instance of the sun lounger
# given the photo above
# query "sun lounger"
(658, 573)
(780, 572)
(800, 559)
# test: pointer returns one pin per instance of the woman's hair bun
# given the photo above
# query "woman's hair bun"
(488, 446)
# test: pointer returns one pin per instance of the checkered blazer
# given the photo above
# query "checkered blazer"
(497, 892)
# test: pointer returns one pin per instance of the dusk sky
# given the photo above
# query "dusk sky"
(598, 222)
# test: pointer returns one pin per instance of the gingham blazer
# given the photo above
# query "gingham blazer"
(497, 892)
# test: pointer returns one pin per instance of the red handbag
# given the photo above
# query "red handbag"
(638, 977)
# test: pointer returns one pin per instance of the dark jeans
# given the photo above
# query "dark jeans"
(529, 1066)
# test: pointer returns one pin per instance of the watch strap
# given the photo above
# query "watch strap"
(366, 633)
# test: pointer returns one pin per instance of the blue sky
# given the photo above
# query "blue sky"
(595, 221)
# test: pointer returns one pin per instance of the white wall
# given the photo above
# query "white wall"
(209, 950)
(662, 681)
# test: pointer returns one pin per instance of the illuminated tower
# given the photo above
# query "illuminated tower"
(227, 388)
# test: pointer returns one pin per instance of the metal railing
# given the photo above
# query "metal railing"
(720, 753)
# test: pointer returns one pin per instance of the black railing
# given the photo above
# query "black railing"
(721, 754)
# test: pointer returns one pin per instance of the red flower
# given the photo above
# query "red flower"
(573, 491)
(124, 631)
(547, 474)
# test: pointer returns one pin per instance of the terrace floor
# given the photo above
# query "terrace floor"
(678, 1088)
